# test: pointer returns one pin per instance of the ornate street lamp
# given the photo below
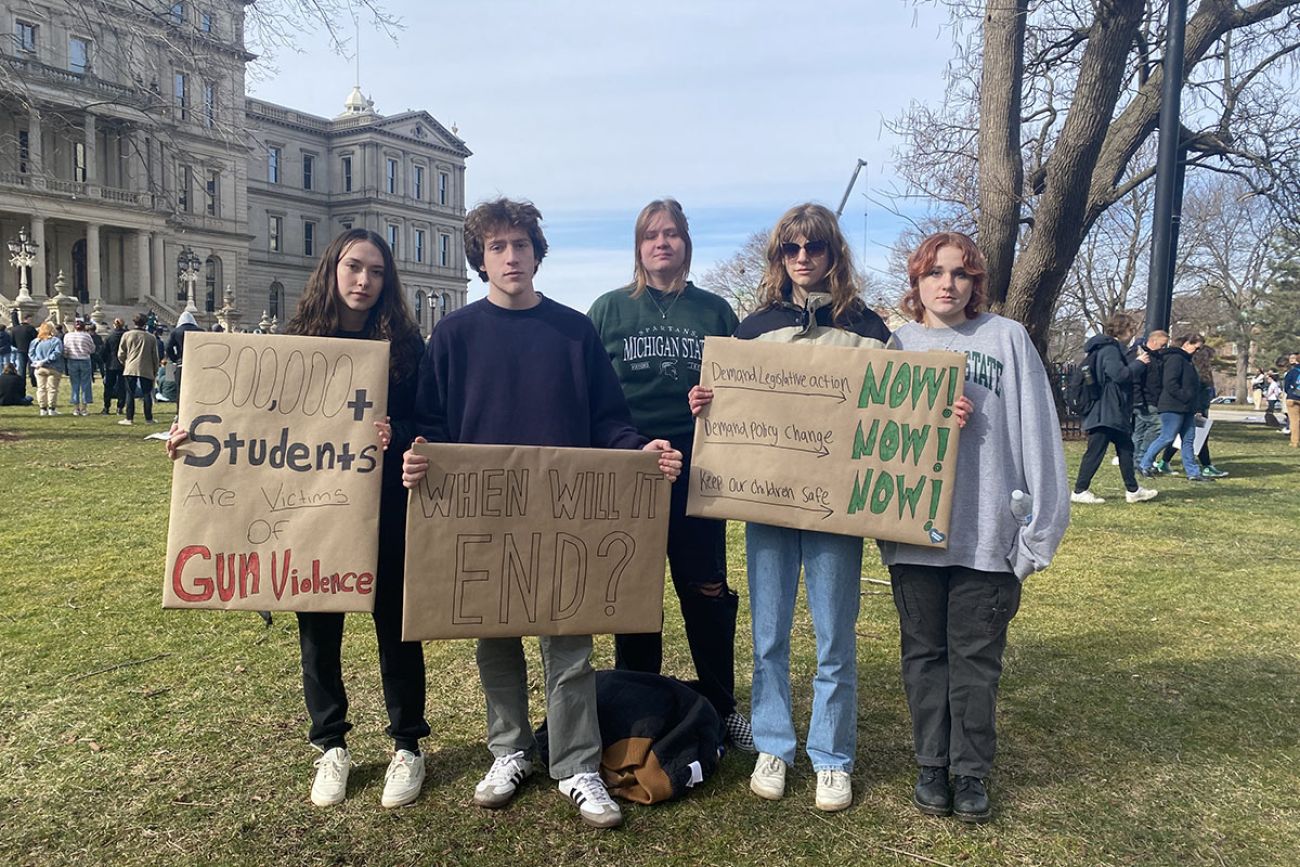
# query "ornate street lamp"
(22, 255)
(187, 267)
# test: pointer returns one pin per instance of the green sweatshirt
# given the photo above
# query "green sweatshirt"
(655, 343)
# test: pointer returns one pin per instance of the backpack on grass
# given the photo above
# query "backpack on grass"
(1081, 387)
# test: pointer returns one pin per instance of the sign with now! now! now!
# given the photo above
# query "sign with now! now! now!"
(838, 439)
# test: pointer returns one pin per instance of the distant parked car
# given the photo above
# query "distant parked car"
(1226, 398)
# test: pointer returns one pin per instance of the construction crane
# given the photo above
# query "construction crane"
(853, 180)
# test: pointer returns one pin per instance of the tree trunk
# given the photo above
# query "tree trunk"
(1060, 226)
(1001, 169)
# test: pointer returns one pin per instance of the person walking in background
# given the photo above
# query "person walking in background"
(113, 383)
(48, 367)
(656, 375)
(954, 604)
(1291, 390)
(1146, 392)
(1179, 393)
(138, 353)
(174, 348)
(78, 348)
(96, 357)
(24, 334)
(1107, 421)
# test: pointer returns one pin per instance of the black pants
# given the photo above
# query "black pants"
(697, 555)
(954, 629)
(1098, 439)
(401, 663)
(113, 388)
(144, 387)
(25, 366)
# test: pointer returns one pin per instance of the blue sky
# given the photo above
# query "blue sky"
(738, 108)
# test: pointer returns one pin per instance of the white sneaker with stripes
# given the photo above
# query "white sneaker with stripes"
(594, 804)
(502, 780)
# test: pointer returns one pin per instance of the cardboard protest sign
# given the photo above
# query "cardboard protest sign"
(275, 497)
(843, 440)
(529, 540)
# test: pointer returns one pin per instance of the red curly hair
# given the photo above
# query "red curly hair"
(923, 259)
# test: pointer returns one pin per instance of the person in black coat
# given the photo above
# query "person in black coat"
(114, 385)
(1109, 419)
(24, 335)
(1179, 396)
(1146, 392)
(174, 349)
(12, 391)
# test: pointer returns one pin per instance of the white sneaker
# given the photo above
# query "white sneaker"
(1114, 462)
(44, 413)
(768, 779)
(834, 790)
(125, 421)
(1141, 495)
(1085, 497)
(498, 786)
(331, 784)
(403, 780)
(595, 805)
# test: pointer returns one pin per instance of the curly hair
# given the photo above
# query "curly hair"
(923, 259)
(815, 223)
(495, 216)
(390, 319)
(673, 208)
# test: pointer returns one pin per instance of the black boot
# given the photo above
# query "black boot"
(971, 801)
(932, 796)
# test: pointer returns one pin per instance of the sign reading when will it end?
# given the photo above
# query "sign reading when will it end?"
(530, 540)
(838, 439)
(275, 497)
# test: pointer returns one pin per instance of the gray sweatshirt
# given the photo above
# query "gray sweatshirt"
(1012, 440)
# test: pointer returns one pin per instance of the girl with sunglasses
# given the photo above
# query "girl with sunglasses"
(954, 604)
(809, 294)
(654, 330)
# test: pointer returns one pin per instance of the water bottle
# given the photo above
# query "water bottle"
(1022, 506)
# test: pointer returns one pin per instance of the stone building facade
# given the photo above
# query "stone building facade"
(126, 139)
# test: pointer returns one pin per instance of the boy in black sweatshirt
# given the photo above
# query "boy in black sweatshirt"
(518, 368)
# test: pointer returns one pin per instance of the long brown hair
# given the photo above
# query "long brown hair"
(390, 319)
(923, 259)
(815, 223)
(673, 208)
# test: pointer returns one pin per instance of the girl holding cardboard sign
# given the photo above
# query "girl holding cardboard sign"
(809, 292)
(355, 293)
(653, 331)
(954, 604)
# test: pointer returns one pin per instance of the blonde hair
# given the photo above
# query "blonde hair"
(673, 208)
(45, 331)
(815, 223)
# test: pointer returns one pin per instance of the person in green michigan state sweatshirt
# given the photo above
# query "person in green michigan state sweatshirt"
(654, 330)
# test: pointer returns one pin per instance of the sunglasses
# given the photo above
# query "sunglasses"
(814, 248)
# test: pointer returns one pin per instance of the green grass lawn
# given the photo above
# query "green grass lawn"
(1149, 709)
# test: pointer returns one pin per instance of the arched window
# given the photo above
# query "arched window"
(419, 309)
(444, 302)
(211, 280)
(274, 299)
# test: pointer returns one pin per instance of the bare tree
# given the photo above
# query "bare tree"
(1049, 106)
(1229, 235)
(736, 278)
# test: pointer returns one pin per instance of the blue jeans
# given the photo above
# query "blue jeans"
(79, 371)
(1175, 424)
(832, 566)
